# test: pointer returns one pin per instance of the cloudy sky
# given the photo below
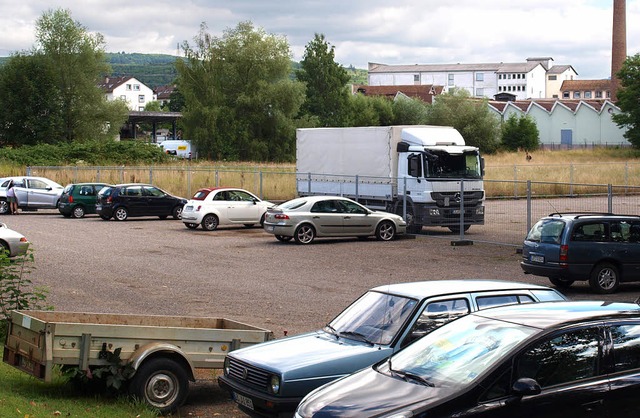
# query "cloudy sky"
(575, 32)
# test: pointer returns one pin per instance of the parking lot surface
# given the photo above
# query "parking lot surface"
(152, 266)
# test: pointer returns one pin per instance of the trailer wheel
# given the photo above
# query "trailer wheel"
(162, 383)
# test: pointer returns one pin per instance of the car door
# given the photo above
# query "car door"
(326, 216)
(625, 247)
(158, 203)
(242, 207)
(40, 194)
(21, 191)
(589, 244)
(131, 197)
(356, 219)
(625, 374)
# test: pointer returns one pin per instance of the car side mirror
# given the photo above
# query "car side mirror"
(525, 387)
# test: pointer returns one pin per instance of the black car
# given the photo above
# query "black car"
(79, 199)
(124, 200)
(556, 359)
(601, 248)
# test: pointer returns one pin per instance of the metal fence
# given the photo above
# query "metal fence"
(511, 206)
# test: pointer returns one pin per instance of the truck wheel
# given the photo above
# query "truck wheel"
(412, 227)
(4, 207)
(162, 383)
(78, 212)
(385, 231)
(304, 234)
(604, 278)
(210, 222)
(121, 214)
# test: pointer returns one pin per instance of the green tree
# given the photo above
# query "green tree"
(629, 100)
(520, 133)
(369, 111)
(409, 111)
(326, 93)
(78, 59)
(471, 117)
(239, 100)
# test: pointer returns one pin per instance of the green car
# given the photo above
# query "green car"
(79, 199)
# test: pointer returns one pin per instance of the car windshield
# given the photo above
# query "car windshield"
(455, 354)
(374, 318)
(546, 231)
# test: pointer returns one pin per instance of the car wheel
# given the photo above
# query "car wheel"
(604, 278)
(163, 217)
(4, 247)
(176, 213)
(283, 238)
(210, 222)
(162, 383)
(191, 225)
(4, 207)
(121, 214)
(565, 284)
(78, 212)
(385, 231)
(304, 234)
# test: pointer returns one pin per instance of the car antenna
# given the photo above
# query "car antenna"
(554, 208)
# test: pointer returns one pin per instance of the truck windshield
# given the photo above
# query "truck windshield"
(441, 164)
(375, 318)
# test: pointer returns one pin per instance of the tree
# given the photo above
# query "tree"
(239, 100)
(471, 117)
(629, 100)
(520, 133)
(409, 111)
(326, 92)
(369, 111)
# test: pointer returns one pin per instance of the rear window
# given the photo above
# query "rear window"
(201, 194)
(547, 231)
(292, 204)
(106, 191)
(545, 295)
(68, 189)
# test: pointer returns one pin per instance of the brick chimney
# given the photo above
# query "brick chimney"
(618, 43)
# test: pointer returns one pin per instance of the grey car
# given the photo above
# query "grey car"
(32, 193)
(12, 242)
(305, 218)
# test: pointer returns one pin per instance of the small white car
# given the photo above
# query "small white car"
(211, 207)
(32, 193)
(12, 242)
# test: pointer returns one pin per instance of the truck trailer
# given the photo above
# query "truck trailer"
(424, 173)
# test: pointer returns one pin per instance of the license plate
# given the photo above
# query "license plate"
(188, 208)
(456, 211)
(243, 400)
(537, 259)
(268, 228)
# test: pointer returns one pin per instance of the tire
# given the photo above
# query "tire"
(105, 218)
(78, 211)
(456, 229)
(412, 228)
(191, 225)
(120, 214)
(562, 283)
(248, 225)
(304, 234)
(66, 215)
(385, 231)
(262, 220)
(283, 238)
(162, 383)
(163, 217)
(210, 222)
(605, 278)
(4, 207)
(4, 247)
(176, 213)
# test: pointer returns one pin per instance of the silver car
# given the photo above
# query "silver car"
(305, 218)
(32, 193)
(12, 242)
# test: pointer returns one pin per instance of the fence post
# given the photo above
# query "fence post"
(571, 180)
(75, 173)
(151, 175)
(217, 179)
(528, 206)
(404, 199)
(309, 183)
(515, 181)
(122, 174)
(610, 198)
(357, 195)
(462, 210)
(98, 174)
(260, 173)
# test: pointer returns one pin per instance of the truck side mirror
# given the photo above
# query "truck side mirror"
(482, 166)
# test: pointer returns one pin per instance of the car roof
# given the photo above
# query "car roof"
(211, 189)
(132, 184)
(431, 288)
(588, 215)
(318, 198)
(553, 314)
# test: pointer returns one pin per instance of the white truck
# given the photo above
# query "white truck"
(164, 351)
(180, 148)
(424, 173)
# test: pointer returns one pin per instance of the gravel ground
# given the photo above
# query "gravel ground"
(149, 266)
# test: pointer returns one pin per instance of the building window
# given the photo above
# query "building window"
(555, 96)
(479, 92)
(598, 95)
(416, 78)
(141, 98)
(128, 87)
(136, 87)
(499, 76)
(608, 95)
(587, 94)
(553, 77)
(479, 77)
(508, 76)
(565, 95)
(450, 83)
(576, 94)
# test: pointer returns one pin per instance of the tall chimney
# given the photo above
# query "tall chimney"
(618, 43)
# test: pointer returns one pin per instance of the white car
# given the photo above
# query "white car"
(211, 207)
(12, 242)
(32, 193)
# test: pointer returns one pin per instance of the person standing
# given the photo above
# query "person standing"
(11, 199)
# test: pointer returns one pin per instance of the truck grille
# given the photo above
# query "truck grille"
(451, 199)
(248, 374)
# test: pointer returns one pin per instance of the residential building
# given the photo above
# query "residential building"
(557, 75)
(163, 93)
(128, 89)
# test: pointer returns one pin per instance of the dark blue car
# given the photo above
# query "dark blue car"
(127, 200)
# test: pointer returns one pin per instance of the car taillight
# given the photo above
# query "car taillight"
(70, 199)
(564, 254)
(109, 200)
(23, 239)
(281, 216)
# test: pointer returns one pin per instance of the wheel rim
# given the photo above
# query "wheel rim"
(386, 231)
(121, 214)
(305, 234)
(607, 279)
(210, 223)
(78, 212)
(4, 206)
(178, 213)
(161, 389)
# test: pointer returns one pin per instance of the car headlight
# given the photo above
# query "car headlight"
(274, 384)
(480, 210)
(225, 367)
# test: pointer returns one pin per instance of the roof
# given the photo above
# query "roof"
(549, 104)
(108, 84)
(559, 69)
(426, 289)
(164, 92)
(585, 85)
(425, 92)
(498, 67)
(553, 314)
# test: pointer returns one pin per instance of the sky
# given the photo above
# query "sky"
(401, 32)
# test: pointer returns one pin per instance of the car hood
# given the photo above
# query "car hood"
(312, 355)
(369, 393)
